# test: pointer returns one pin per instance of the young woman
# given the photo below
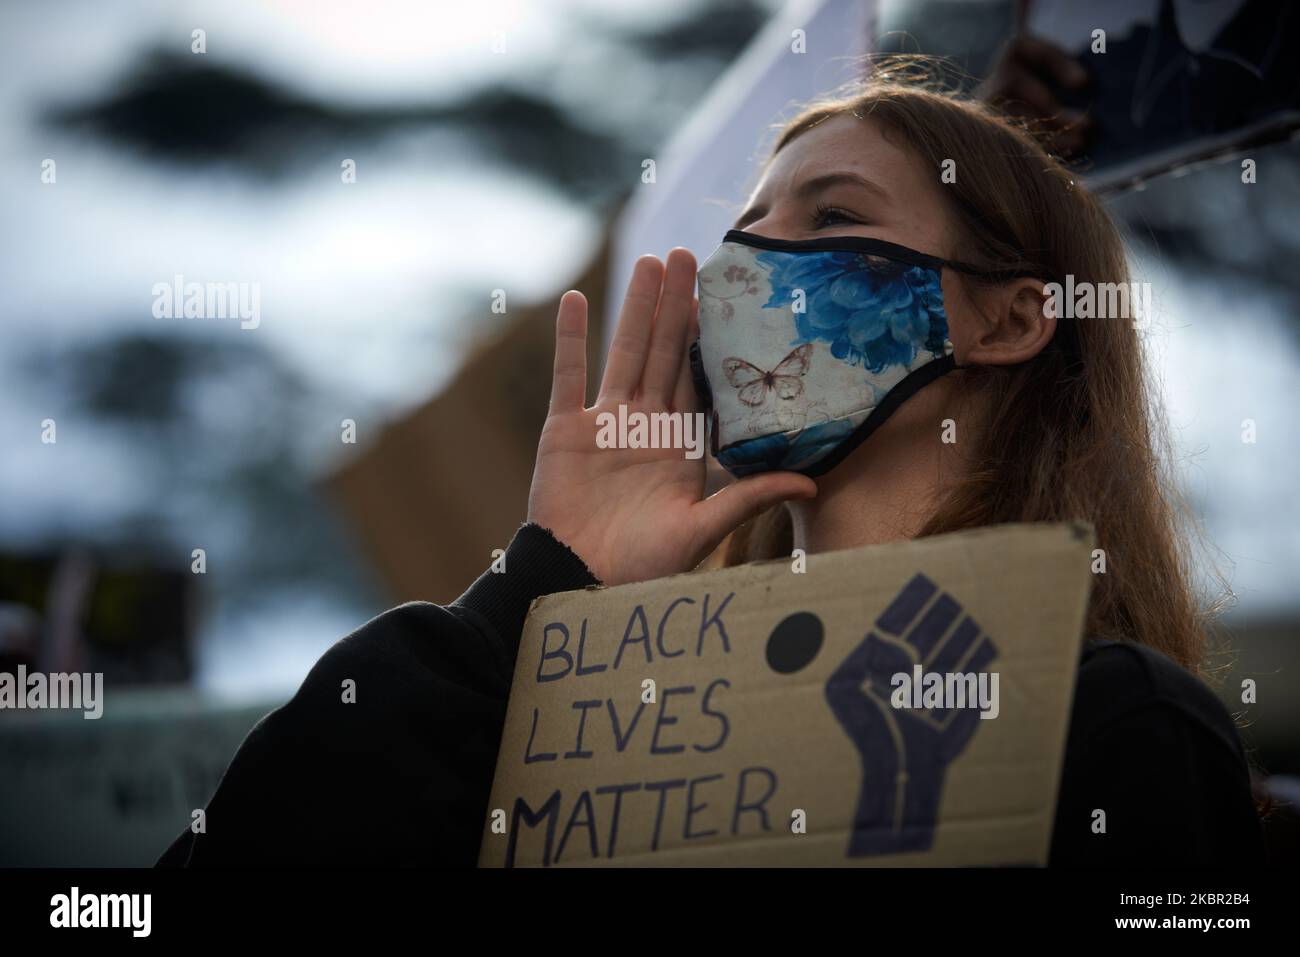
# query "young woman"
(1053, 423)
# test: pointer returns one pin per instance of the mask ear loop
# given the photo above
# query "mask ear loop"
(996, 275)
(912, 383)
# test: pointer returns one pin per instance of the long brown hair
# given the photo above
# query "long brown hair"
(1072, 433)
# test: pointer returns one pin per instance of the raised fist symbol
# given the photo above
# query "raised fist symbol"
(905, 753)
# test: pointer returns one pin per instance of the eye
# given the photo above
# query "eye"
(825, 216)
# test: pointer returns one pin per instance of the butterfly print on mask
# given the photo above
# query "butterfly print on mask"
(754, 383)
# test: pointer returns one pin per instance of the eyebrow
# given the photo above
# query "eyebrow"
(811, 187)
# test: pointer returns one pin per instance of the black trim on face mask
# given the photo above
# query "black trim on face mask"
(869, 247)
(908, 386)
(700, 378)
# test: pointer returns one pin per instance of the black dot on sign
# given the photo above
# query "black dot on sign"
(794, 642)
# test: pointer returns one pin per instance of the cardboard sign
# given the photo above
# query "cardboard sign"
(892, 705)
(1173, 84)
(115, 791)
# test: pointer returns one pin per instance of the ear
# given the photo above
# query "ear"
(1013, 323)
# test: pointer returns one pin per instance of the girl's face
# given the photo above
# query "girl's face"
(844, 178)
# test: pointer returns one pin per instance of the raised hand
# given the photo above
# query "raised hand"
(637, 514)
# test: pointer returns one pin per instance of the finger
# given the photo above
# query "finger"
(886, 656)
(948, 656)
(725, 511)
(668, 337)
(933, 625)
(1075, 120)
(907, 604)
(627, 349)
(569, 378)
(1028, 91)
(684, 396)
(1048, 59)
(1069, 143)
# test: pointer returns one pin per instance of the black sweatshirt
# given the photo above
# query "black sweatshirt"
(403, 774)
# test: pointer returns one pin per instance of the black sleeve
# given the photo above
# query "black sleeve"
(401, 775)
(1154, 749)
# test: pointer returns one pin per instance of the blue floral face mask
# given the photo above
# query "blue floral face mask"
(806, 347)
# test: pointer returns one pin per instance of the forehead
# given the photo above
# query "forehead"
(847, 143)
(843, 140)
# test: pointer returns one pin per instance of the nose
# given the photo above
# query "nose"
(774, 224)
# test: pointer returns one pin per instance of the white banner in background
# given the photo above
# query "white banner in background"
(708, 169)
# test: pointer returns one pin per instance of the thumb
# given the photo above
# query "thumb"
(886, 658)
(726, 510)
